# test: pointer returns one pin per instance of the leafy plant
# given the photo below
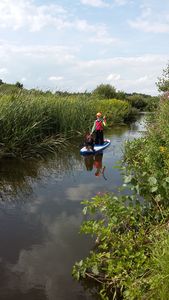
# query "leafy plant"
(105, 91)
(163, 81)
(122, 227)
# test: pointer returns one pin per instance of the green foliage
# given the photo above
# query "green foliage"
(148, 162)
(130, 260)
(137, 101)
(36, 122)
(159, 262)
(120, 95)
(19, 85)
(163, 81)
(149, 157)
(8, 89)
(104, 91)
(116, 111)
(143, 102)
(123, 227)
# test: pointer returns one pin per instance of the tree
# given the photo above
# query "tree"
(137, 100)
(19, 85)
(120, 95)
(105, 91)
(1, 82)
(163, 81)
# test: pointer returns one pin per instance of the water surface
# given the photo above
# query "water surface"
(41, 213)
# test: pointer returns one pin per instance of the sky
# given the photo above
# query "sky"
(77, 45)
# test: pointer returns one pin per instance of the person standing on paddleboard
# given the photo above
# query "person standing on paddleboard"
(98, 126)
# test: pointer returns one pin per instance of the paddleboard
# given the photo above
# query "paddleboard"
(97, 148)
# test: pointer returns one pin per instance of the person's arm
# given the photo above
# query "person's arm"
(104, 121)
(94, 127)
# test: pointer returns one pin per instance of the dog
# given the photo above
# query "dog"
(89, 141)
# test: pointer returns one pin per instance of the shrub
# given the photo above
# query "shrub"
(19, 85)
(105, 91)
(163, 81)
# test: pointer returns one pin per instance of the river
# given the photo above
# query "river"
(41, 213)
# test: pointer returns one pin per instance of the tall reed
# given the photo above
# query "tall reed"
(30, 121)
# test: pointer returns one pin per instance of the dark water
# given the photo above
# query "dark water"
(40, 217)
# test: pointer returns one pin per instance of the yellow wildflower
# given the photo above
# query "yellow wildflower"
(162, 149)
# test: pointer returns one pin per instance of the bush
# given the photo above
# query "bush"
(19, 85)
(137, 101)
(163, 81)
(104, 91)
(149, 157)
(159, 268)
(121, 262)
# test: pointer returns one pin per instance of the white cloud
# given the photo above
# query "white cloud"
(102, 36)
(112, 77)
(130, 74)
(96, 33)
(95, 3)
(28, 15)
(101, 3)
(151, 21)
(121, 2)
(55, 78)
(83, 25)
(38, 64)
(3, 71)
(16, 14)
(23, 79)
(143, 79)
(149, 26)
(60, 53)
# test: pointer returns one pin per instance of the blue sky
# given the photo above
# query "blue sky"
(77, 45)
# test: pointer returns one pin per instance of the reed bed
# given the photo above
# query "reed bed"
(32, 124)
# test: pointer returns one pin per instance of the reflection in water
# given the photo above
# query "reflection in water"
(89, 160)
(95, 161)
(49, 265)
(139, 125)
(17, 177)
(39, 226)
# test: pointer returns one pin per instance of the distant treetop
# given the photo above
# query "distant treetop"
(19, 85)
(105, 91)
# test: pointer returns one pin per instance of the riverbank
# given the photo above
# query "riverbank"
(130, 260)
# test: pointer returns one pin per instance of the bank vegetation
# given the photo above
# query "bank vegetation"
(130, 258)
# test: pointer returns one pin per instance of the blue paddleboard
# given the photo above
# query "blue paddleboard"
(97, 148)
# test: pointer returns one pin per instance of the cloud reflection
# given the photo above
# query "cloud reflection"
(48, 266)
(81, 191)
